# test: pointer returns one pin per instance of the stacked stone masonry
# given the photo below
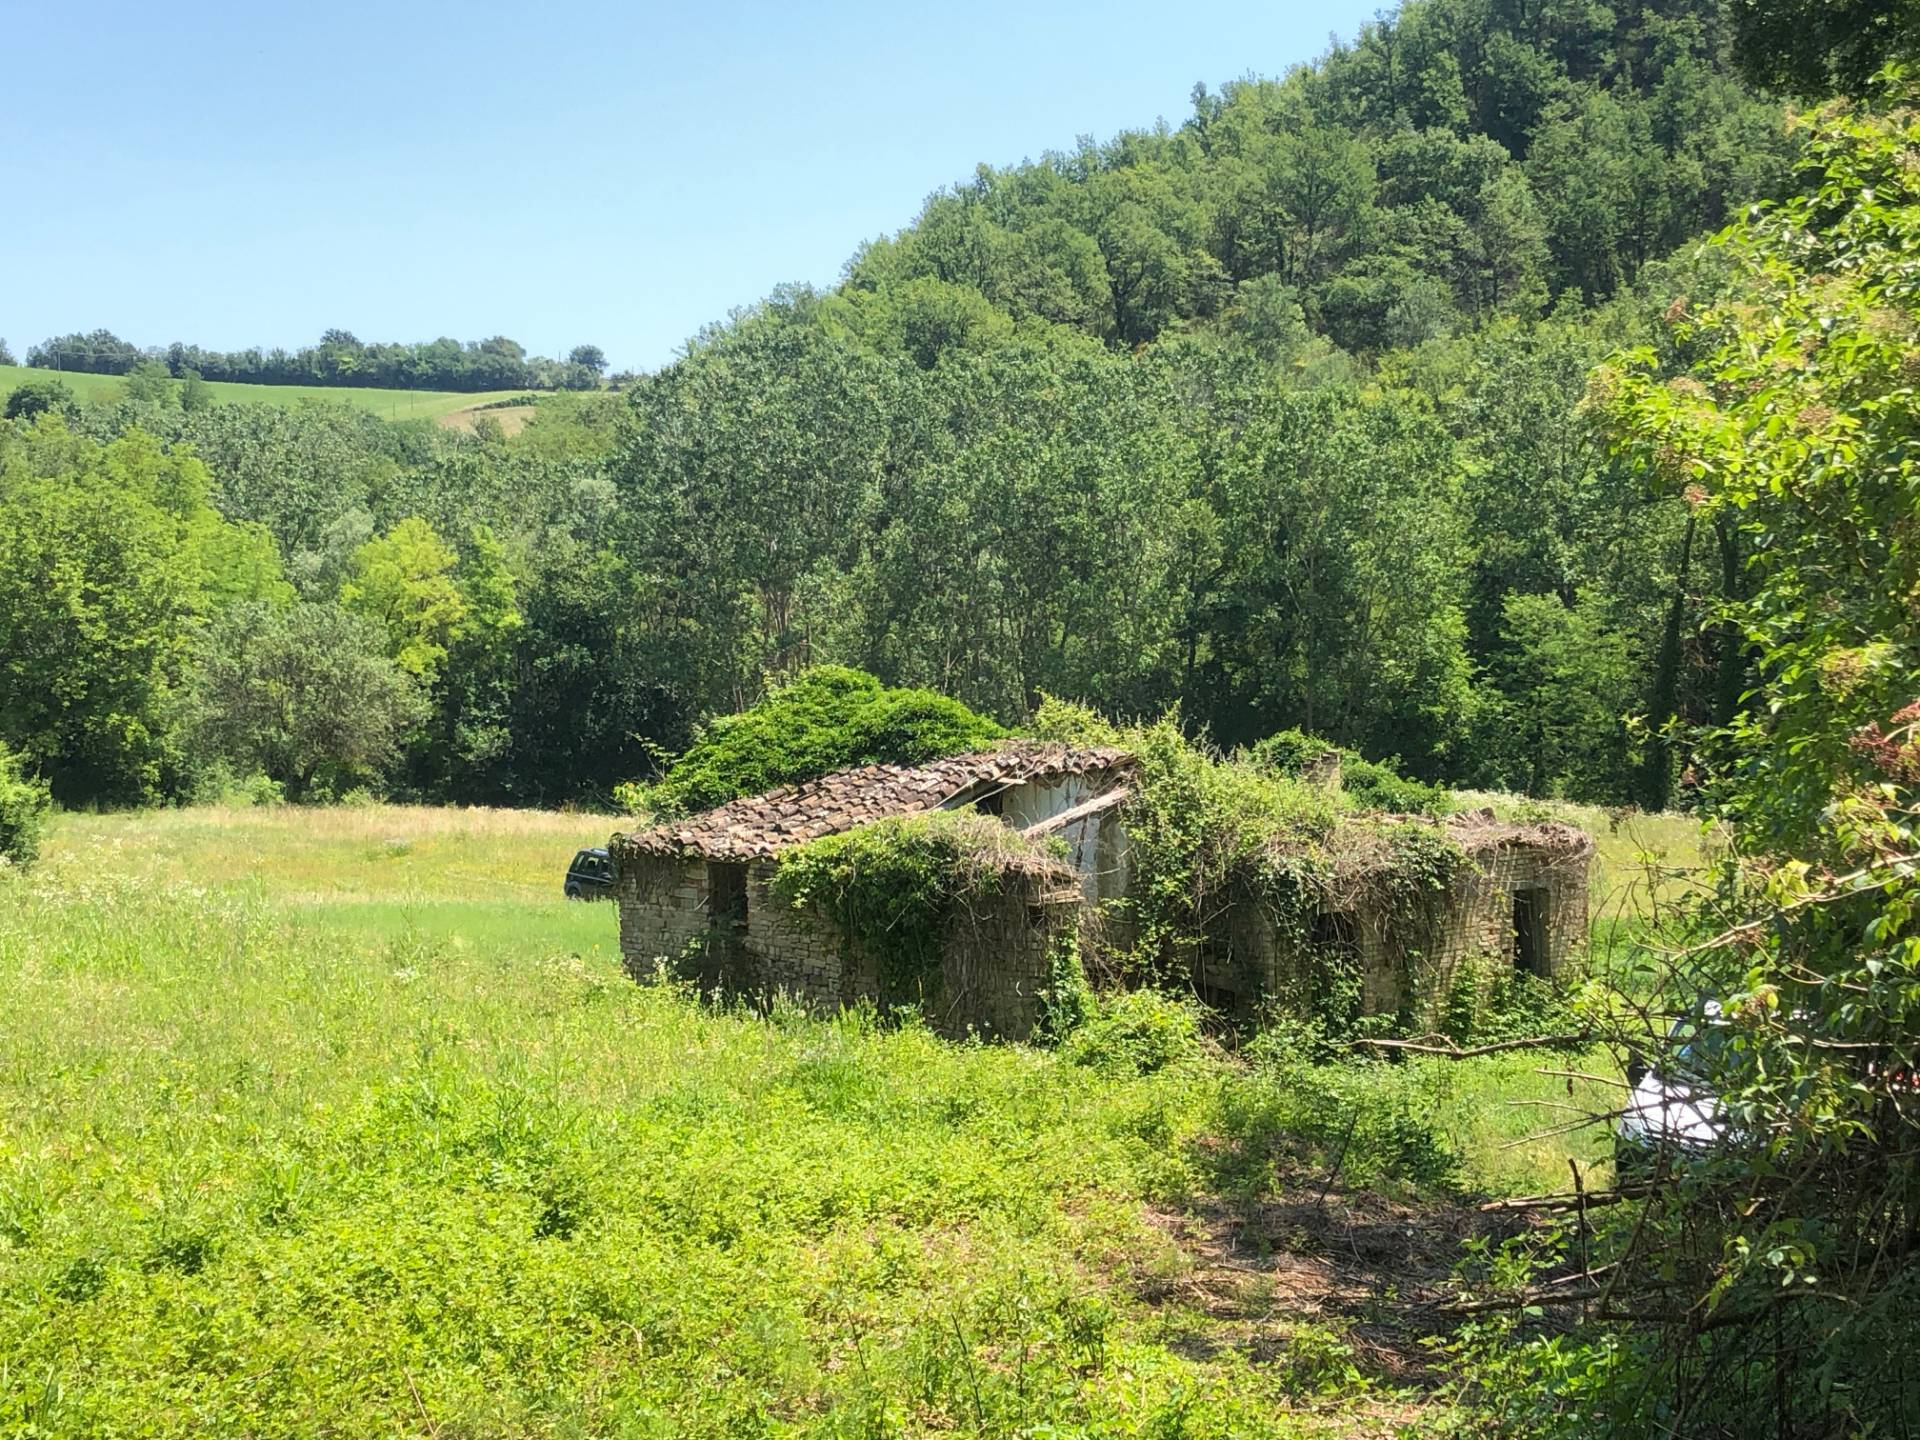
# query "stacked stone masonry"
(1518, 902)
(994, 966)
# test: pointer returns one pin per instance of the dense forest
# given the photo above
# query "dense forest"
(1273, 417)
(341, 358)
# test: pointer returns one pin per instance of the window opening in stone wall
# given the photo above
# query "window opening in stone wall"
(726, 892)
(1530, 932)
(1334, 930)
(994, 804)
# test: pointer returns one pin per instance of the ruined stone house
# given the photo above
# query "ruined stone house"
(1508, 900)
(695, 897)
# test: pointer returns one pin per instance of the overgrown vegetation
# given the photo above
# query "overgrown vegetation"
(1270, 423)
(827, 718)
(349, 1143)
(1766, 1280)
(901, 886)
(1207, 833)
(24, 803)
(1368, 784)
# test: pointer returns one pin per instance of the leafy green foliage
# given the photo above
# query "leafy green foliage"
(36, 397)
(150, 383)
(825, 719)
(304, 695)
(403, 581)
(24, 803)
(1562, 723)
(1449, 164)
(195, 393)
(897, 888)
(1195, 824)
(1367, 784)
(1817, 47)
(1782, 407)
(1136, 1032)
(109, 556)
(1269, 416)
(1380, 1118)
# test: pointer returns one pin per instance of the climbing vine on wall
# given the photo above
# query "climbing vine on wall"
(897, 886)
(1207, 832)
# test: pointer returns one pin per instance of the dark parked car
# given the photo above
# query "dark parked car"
(590, 876)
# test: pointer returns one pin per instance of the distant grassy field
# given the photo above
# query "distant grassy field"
(343, 1122)
(391, 404)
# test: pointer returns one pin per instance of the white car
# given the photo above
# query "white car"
(1671, 1108)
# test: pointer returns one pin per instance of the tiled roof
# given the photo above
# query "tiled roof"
(762, 825)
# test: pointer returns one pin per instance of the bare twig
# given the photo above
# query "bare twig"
(432, 1429)
(1591, 1199)
(1614, 1080)
(1455, 1052)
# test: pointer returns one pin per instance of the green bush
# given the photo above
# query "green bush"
(1136, 1032)
(826, 719)
(219, 784)
(1366, 784)
(24, 803)
(895, 886)
(36, 397)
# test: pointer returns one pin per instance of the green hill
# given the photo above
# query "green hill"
(389, 404)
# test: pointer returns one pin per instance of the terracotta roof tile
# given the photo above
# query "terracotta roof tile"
(762, 825)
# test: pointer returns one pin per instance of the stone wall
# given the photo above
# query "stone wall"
(791, 953)
(1408, 965)
(995, 963)
(663, 914)
(1478, 940)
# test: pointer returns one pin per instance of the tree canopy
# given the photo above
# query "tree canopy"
(341, 358)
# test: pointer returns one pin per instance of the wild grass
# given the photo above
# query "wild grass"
(390, 404)
(341, 1122)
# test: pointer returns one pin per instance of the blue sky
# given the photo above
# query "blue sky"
(620, 174)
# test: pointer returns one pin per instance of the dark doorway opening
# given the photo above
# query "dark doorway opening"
(1530, 932)
(726, 892)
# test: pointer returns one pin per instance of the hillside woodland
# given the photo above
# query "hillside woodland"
(1272, 417)
(341, 358)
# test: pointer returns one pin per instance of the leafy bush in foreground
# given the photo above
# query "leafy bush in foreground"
(1136, 1031)
(826, 719)
(1768, 1283)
